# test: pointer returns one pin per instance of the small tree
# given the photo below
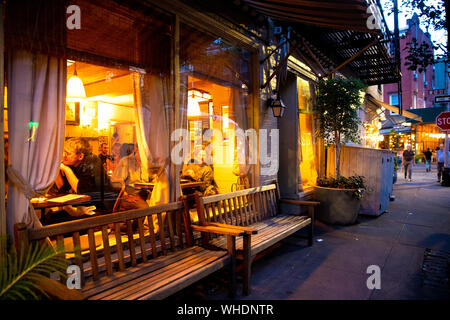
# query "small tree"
(337, 104)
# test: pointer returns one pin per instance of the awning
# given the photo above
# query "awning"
(405, 113)
(334, 35)
(342, 15)
(387, 131)
(429, 115)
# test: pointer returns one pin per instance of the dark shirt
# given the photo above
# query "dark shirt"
(428, 155)
(103, 158)
(88, 174)
(408, 156)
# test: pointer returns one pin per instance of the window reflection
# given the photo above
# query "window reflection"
(308, 169)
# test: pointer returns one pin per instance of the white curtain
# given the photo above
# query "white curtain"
(152, 131)
(36, 115)
(240, 108)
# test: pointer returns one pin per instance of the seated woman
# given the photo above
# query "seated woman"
(128, 172)
(79, 173)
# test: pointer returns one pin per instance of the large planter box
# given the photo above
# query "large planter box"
(376, 165)
(337, 206)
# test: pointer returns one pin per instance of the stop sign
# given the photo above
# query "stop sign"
(443, 121)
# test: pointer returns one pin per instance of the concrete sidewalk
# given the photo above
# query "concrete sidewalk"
(335, 266)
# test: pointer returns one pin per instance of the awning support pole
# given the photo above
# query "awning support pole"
(282, 62)
(314, 57)
(352, 58)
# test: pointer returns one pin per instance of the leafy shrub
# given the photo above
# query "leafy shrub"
(354, 182)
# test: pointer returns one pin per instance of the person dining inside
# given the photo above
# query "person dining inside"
(128, 172)
(79, 173)
(201, 172)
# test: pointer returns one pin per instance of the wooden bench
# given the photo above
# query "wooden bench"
(136, 264)
(256, 211)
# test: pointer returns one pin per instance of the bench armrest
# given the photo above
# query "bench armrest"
(248, 230)
(218, 230)
(304, 203)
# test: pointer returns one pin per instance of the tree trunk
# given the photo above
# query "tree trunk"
(338, 159)
(338, 154)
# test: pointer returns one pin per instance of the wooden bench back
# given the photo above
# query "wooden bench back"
(240, 208)
(103, 249)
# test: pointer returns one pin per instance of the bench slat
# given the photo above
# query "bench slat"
(151, 230)
(268, 232)
(154, 271)
(77, 249)
(142, 243)
(161, 224)
(119, 246)
(93, 253)
(106, 250)
(95, 287)
(163, 280)
(131, 245)
(204, 269)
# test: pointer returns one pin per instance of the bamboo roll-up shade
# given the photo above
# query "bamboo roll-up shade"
(116, 32)
(213, 57)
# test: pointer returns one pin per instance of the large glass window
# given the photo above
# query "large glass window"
(308, 169)
(215, 82)
(96, 101)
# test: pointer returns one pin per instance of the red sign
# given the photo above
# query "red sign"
(443, 121)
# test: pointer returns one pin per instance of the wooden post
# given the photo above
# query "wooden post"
(176, 88)
(255, 108)
(311, 227)
(3, 244)
(21, 237)
(231, 247)
(201, 220)
(247, 264)
(187, 221)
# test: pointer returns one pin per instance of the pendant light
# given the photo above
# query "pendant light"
(193, 109)
(75, 88)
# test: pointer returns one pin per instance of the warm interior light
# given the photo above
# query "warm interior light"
(193, 109)
(86, 116)
(225, 117)
(75, 88)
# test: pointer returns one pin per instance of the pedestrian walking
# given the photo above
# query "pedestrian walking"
(440, 157)
(428, 156)
(408, 162)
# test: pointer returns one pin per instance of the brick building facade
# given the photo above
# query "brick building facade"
(416, 85)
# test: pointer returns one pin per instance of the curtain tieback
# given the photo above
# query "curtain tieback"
(16, 178)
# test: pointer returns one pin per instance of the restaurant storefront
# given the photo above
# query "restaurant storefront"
(101, 98)
(164, 100)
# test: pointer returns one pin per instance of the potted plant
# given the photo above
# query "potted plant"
(339, 198)
(337, 105)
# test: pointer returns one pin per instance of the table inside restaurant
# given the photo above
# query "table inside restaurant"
(42, 203)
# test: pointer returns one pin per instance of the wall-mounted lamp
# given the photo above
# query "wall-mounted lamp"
(277, 105)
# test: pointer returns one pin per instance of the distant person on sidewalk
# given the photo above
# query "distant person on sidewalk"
(428, 156)
(440, 157)
(408, 161)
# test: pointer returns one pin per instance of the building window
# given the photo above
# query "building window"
(308, 171)
(214, 89)
(393, 101)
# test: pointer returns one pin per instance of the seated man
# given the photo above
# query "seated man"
(201, 173)
(79, 173)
